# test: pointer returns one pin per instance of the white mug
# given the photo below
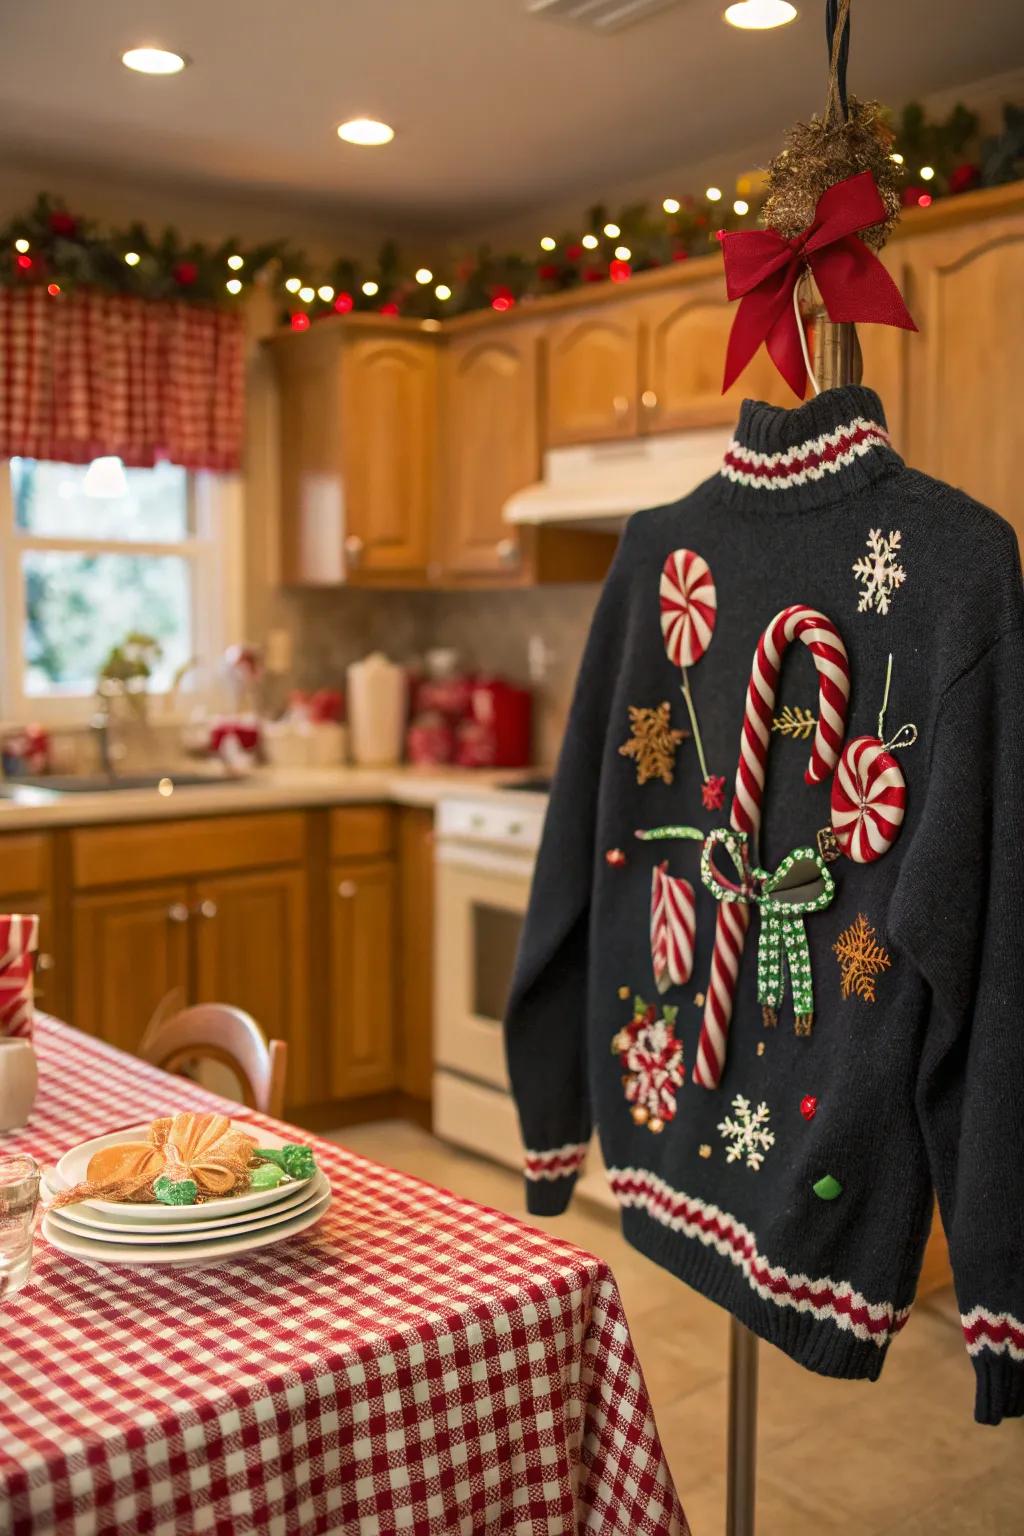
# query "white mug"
(18, 1079)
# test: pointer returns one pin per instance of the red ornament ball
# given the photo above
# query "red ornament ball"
(593, 275)
(390, 308)
(548, 271)
(574, 252)
(343, 303)
(680, 253)
(925, 200)
(300, 322)
(185, 273)
(619, 271)
(53, 289)
(910, 195)
(808, 1106)
(964, 178)
(502, 298)
(64, 224)
(25, 263)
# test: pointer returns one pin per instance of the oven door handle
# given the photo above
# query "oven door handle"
(485, 860)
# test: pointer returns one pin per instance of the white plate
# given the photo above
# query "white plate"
(127, 1219)
(203, 1251)
(72, 1170)
(306, 1196)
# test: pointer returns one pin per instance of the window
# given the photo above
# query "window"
(93, 552)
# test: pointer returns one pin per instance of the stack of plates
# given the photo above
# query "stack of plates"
(108, 1232)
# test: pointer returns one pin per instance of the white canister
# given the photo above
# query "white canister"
(18, 1080)
(376, 710)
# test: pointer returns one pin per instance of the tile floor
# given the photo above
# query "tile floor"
(902, 1455)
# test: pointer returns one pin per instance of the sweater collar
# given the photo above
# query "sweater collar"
(833, 447)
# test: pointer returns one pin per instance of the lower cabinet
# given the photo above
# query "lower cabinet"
(362, 935)
(129, 950)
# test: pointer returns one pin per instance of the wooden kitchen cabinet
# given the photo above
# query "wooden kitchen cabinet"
(130, 949)
(594, 375)
(362, 936)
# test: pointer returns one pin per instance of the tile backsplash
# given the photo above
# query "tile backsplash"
(502, 632)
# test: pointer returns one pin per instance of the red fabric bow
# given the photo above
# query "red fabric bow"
(762, 270)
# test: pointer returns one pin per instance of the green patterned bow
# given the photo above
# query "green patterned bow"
(802, 883)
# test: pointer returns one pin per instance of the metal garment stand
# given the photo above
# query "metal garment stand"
(837, 360)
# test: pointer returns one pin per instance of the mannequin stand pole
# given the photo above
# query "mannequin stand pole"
(741, 1476)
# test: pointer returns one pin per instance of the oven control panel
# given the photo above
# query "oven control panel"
(507, 820)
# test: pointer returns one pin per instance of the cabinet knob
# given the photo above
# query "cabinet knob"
(620, 405)
(507, 551)
(44, 962)
(649, 400)
(177, 912)
(207, 908)
(347, 889)
(353, 548)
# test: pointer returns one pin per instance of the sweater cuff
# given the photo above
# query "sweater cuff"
(1000, 1387)
(549, 1197)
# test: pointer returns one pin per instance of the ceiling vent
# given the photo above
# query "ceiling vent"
(598, 15)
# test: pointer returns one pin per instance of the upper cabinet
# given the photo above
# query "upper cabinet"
(593, 375)
(491, 433)
(358, 425)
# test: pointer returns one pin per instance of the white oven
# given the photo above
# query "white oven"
(485, 851)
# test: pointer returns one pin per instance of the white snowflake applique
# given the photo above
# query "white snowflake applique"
(746, 1131)
(879, 571)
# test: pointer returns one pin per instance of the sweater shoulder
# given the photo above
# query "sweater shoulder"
(955, 520)
(654, 530)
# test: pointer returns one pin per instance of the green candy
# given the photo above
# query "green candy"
(266, 1176)
(828, 1188)
(296, 1159)
(175, 1191)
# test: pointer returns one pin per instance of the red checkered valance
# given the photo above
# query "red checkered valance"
(87, 374)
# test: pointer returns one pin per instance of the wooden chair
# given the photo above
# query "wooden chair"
(218, 1032)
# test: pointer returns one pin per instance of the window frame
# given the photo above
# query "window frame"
(213, 550)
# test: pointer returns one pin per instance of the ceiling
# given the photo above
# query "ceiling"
(496, 111)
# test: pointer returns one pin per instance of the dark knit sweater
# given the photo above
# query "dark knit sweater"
(913, 1076)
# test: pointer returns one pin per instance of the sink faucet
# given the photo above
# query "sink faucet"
(101, 724)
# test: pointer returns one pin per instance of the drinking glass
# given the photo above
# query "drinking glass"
(19, 1193)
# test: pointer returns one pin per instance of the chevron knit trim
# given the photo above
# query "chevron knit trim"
(813, 460)
(558, 1163)
(1000, 1332)
(825, 1299)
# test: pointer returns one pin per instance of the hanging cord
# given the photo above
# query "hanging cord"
(801, 332)
(907, 734)
(837, 39)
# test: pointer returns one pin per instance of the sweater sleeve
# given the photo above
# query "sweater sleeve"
(958, 914)
(545, 1022)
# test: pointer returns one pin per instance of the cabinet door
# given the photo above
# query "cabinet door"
(492, 446)
(309, 407)
(687, 332)
(965, 368)
(593, 375)
(362, 975)
(388, 425)
(251, 936)
(129, 950)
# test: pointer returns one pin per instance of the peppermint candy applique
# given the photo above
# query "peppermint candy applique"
(689, 608)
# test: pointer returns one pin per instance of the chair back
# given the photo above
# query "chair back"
(218, 1032)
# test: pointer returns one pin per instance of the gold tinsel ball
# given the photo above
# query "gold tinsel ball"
(818, 154)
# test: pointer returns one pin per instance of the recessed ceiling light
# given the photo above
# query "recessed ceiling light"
(365, 130)
(760, 15)
(154, 61)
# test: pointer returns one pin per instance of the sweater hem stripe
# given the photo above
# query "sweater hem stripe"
(816, 1300)
(555, 1163)
(1000, 1332)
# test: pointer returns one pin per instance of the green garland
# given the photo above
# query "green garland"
(54, 248)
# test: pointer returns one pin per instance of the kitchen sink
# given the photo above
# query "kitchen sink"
(93, 783)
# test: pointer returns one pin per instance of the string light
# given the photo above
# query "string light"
(896, 158)
(424, 275)
(442, 292)
(132, 258)
(293, 284)
(671, 205)
(236, 263)
(713, 194)
(927, 172)
(307, 295)
(233, 285)
(547, 243)
(622, 253)
(759, 15)
(154, 61)
(740, 207)
(590, 242)
(326, 293)
(370, 287)
(365, 131)
(21, 245)
(612, 231)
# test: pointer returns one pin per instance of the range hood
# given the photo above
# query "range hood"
(599, 485)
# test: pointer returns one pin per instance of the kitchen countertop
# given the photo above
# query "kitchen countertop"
(266, 789)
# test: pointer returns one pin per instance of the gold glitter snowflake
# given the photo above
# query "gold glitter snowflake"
(861, 959)
(653, 743)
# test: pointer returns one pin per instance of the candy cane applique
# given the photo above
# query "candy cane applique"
(823, 640)
(673, 926)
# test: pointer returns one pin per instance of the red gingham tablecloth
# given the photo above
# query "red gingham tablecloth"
(413, 1364)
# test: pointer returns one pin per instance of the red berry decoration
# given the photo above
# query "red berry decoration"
(964, 178)
(185, 273)
(548, 271)
(343, 303)
(63, 224)
(615, 857)
(391, 308)
(808, 1106)
(712, 792)
(619, 271)
(574, 252)
(300, 322)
